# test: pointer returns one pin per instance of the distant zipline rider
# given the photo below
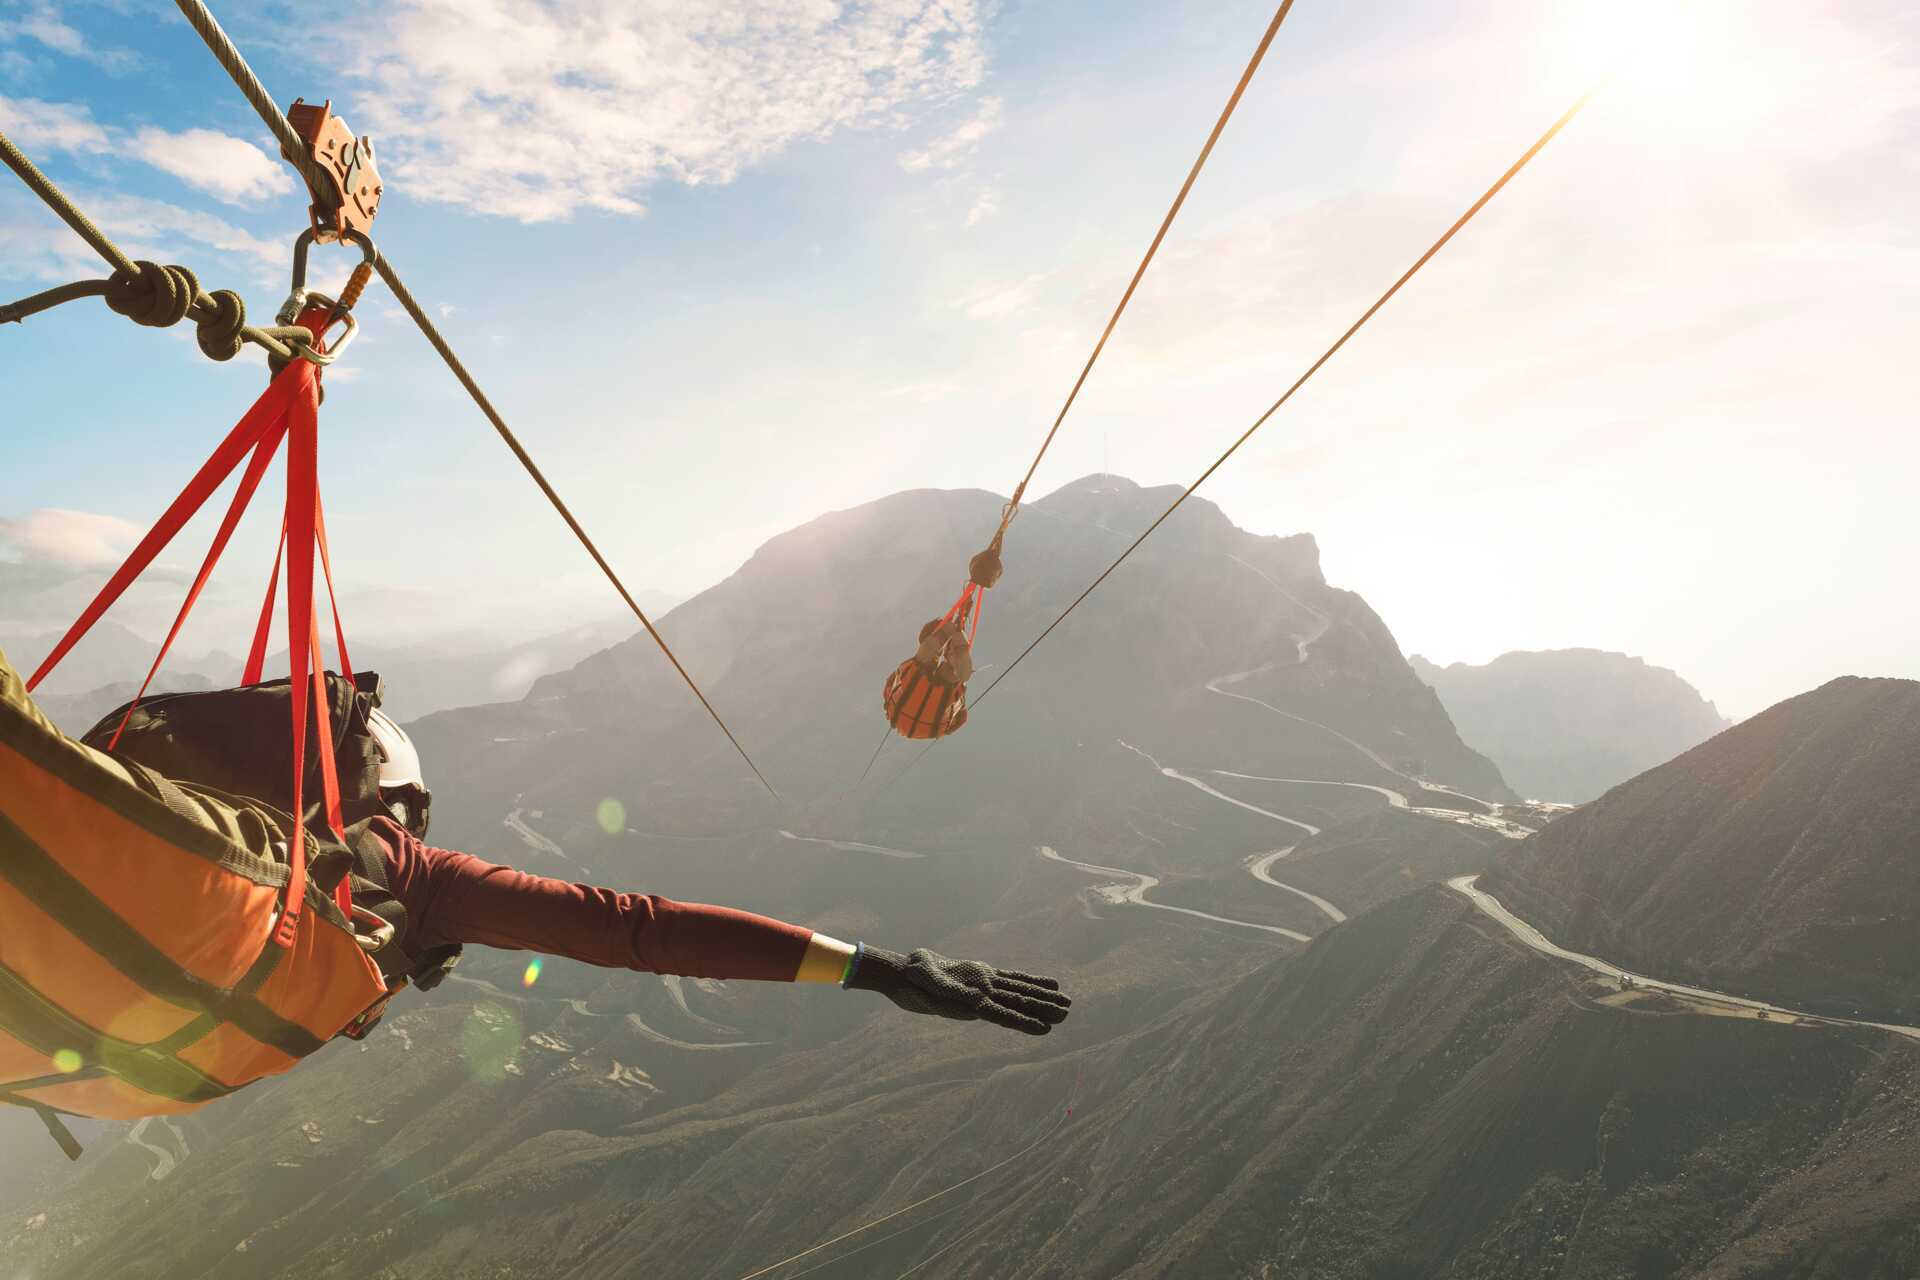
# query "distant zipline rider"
(926, 696)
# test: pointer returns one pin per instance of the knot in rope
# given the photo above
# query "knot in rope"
(218, 324)
(153, 295)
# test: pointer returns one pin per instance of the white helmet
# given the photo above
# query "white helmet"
(402, 785)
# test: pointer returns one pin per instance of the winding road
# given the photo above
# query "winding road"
(632, 1019)
(1533, 938)
(1260, 864)
(164, 1161)
(851, 846)
(1137, 895)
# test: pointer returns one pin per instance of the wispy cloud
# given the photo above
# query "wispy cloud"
(53, 126)
(958, 145)
(145, 226)
(76, 539)
(537, 109)
(42, 24)
(228, 168)
(998, 299)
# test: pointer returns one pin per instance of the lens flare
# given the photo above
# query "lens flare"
(532, 975)
(612, 816)
(66, 1061)
(490, 1041)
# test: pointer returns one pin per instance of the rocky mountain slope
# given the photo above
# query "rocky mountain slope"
(1291, 1052)
(1777, 859)
(1566, 724)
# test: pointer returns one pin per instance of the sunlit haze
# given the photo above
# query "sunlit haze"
(1658, 398)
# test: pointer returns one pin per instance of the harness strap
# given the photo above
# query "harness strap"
(245, 434)
(263, 451)
(287, 409)
(257, 655)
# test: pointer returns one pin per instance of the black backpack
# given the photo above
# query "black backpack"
(237, 741)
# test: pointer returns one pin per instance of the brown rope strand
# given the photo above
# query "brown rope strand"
(1173, 211)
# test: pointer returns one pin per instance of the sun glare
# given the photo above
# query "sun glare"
(1710, 67)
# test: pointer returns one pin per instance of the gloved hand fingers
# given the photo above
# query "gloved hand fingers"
(1015, 1020)
(1051, 994)
(1032, 979)
(1045, 1010)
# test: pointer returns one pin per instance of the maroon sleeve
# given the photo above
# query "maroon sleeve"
(455, 897)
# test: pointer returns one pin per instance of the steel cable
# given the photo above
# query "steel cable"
(230, 58)
(1173, 211)
(1512, 171)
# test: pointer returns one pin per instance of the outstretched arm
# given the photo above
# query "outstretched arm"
(454, 897)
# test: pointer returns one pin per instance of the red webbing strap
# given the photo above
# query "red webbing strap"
(333, 602)
(267, 409)
(263, 451)
(300, 533)
(257, 654)
(979, 612)
(308, 675)
(329, 778)
(960, 605)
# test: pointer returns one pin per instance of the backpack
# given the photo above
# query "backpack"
(236, 741)
(919, 706)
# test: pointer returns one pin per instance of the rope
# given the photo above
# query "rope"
(14, 312)
(292, 145)
(934, 1256)
(236, 67)
(880, 1240)
(1246, 77)
(755, 1275)
(144, 292)
(57, 201)
(1301, 381)
(875, 757)
(432, 334)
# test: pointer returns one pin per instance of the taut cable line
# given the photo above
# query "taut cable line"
(1513, 170)
(230, 58)
(1173, 211)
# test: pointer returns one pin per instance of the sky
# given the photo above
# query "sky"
(727, 266)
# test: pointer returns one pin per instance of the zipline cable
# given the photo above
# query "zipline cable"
(1492, 191)
(1012, 506)
(1226, 113)
(1301, 381)
(875, 757)
(230, 58)
(877, 1242)
(848, 1235)
(957, 1240)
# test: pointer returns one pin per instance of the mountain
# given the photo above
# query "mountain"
(1214, 803)
(444, 671)
(1413, 1096)
(1210, 645)
(1566, 724)
(1776, 859)
(110, 654)
(76, 713)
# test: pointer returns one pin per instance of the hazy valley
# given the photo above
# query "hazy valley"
(1223, 807)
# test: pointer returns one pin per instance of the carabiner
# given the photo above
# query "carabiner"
(297, 297)
(300, 297)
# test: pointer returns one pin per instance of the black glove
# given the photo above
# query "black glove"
(927, 982)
